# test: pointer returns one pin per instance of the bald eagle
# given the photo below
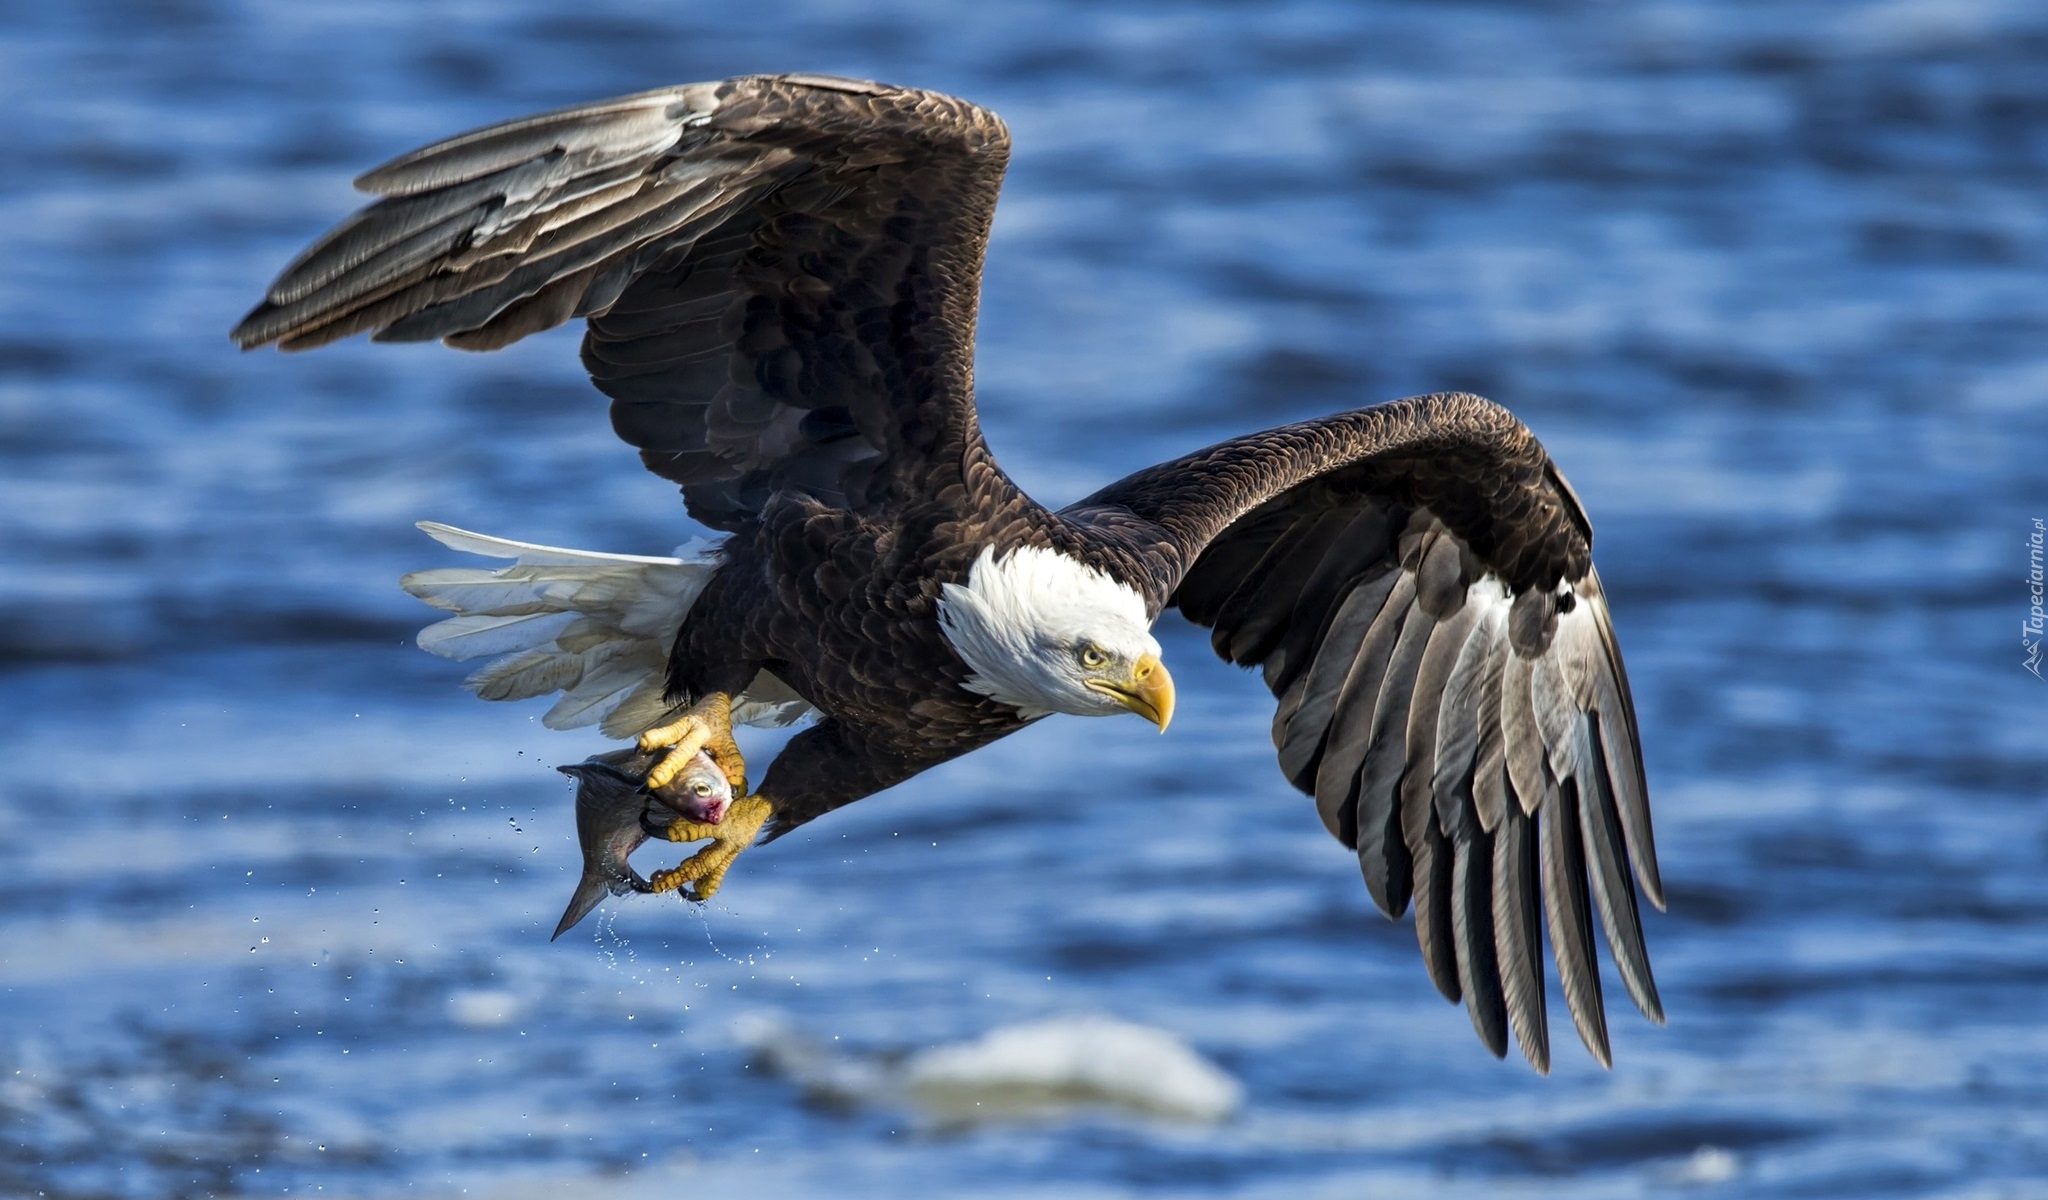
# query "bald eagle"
(779, 275)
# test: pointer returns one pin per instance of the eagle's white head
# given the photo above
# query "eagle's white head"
(1045, 633)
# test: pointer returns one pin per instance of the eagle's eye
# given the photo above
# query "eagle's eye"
(1093, 656)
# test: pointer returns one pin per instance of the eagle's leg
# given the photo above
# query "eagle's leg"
(705, 725)
(706, 868)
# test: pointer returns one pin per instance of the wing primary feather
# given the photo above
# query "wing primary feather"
(1425, 712)
(1434, 869)
(1521, 737)
(1382, 850)
(392, 269)
(1462, 713)
(1518, 937)
(1616, 730)
(1613, 893)
(1307, 697)
(1570, 921)
(1456, 742)
(1491, 787)
(583, 244)
(1479, 975)
(1349, 723)
(1307, 726)
(382, 228)
(553, 304)
(622, 127)
(1624, 770)
(551, 186)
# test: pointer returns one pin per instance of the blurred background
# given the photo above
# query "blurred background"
(1765, 276)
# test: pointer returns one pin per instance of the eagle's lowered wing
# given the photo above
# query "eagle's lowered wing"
(1415, 582)
(780, 274)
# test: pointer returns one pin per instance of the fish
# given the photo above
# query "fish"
(615, 813)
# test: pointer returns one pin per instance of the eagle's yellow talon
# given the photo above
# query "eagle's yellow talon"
(706, 868)
(663, 881)
(683, 829)
(661, 774)
(674, 731)
(705, 725)
(707, 887)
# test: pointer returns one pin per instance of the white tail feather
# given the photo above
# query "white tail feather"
(529, 553)
(479, 634)
(524, 676)
(596, 627)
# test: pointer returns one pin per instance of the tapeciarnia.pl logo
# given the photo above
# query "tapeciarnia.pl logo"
(2031, 629)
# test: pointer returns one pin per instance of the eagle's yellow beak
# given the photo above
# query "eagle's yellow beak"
(1148, 692)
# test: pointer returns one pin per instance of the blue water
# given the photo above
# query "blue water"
(1767, 277)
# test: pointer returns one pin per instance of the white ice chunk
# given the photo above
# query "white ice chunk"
(1066, 1061)
(1019, 1072)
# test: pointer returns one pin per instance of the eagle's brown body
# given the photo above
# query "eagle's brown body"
(780, 276)
(835, 606)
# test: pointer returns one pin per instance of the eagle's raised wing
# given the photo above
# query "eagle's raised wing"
(1416, 582)
(780, 274)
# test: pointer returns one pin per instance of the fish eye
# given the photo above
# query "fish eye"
(1093, 656)
(701, 788)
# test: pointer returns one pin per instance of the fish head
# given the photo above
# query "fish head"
(700, 792)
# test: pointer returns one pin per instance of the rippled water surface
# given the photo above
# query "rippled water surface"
(1765, 276)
